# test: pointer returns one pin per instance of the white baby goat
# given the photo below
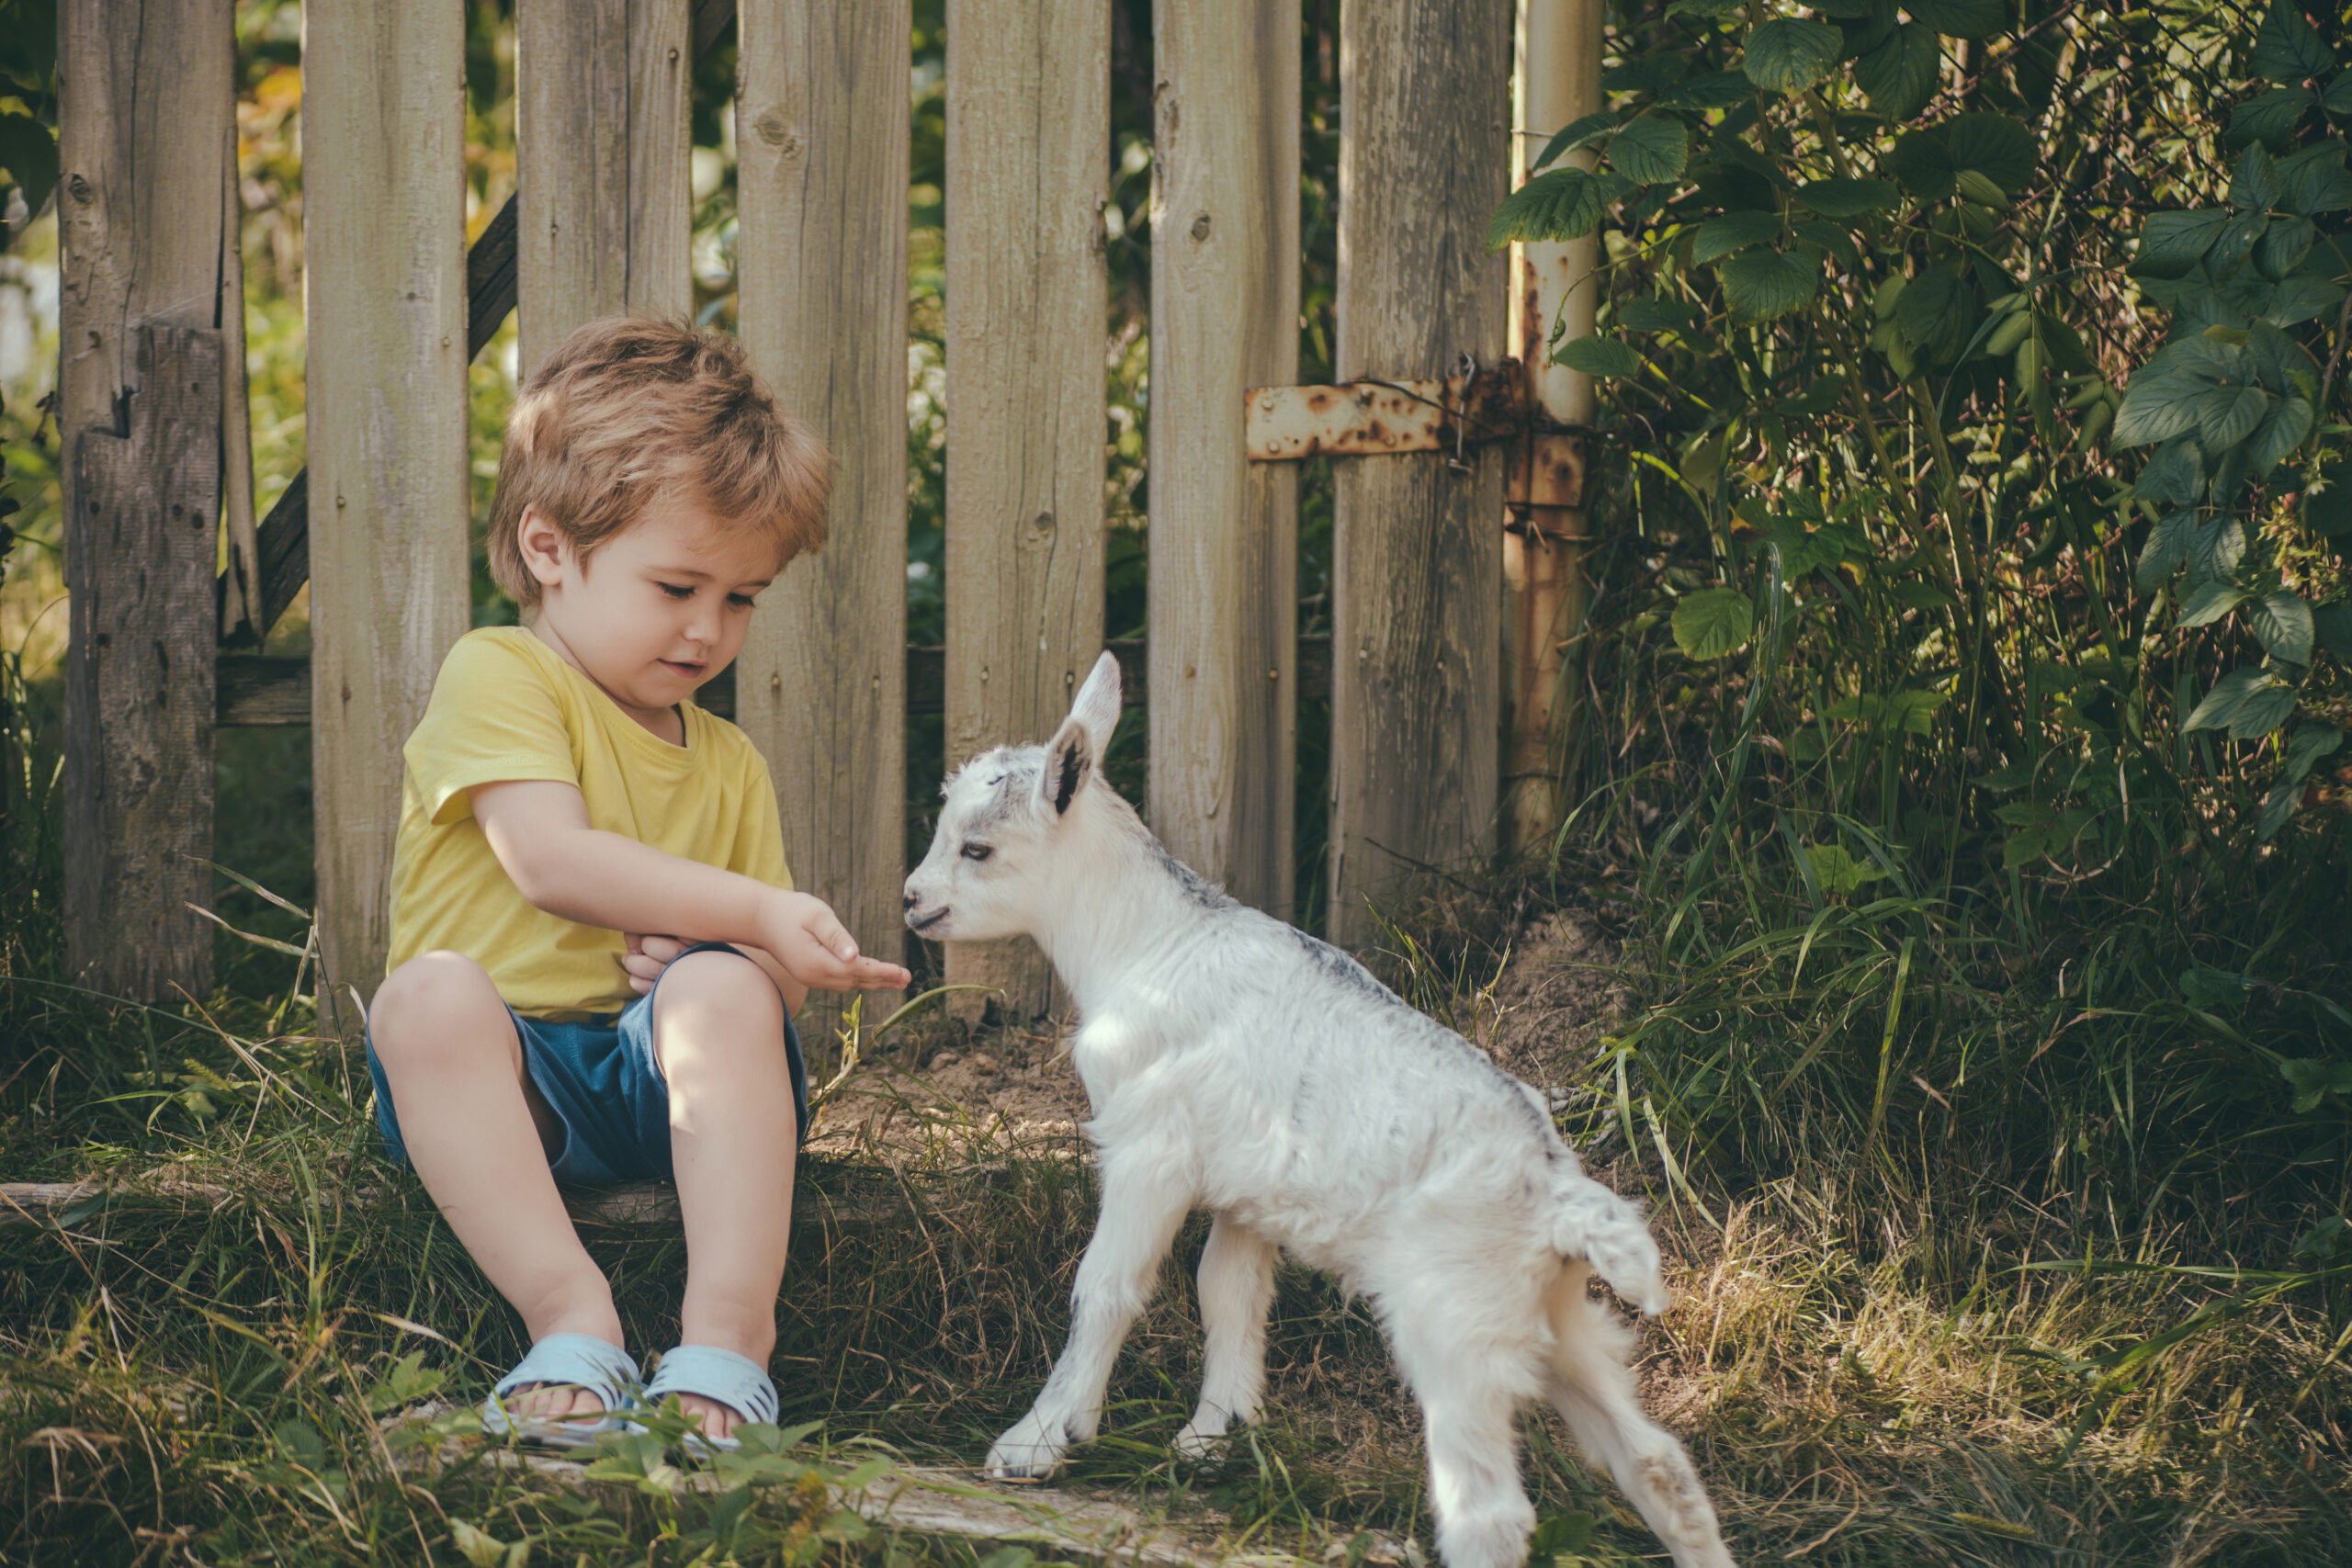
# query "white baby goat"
(1237, 1065)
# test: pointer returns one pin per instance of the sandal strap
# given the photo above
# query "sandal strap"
(575, 1360)
(736, 1381)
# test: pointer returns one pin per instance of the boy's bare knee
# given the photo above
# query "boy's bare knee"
(433, 1009)
(724, 982)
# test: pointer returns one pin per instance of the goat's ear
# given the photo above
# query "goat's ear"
(1069, 757)
(1096, 706)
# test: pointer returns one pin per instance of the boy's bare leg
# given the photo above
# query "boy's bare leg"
(718, 1034)
(477, 1134)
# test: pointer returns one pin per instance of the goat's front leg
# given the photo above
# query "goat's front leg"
(1141, 1209)
(1236, 1288)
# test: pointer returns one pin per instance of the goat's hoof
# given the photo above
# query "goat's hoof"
(1031, 1450)
(1193, 1443)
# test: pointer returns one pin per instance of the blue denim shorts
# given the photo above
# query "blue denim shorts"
(600, 1078)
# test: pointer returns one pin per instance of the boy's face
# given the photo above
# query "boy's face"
(660, 607)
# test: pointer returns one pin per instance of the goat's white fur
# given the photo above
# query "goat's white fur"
(1237, 1065)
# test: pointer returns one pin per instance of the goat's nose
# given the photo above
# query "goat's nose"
(912, 899)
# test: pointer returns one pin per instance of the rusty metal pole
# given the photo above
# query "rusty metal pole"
(1558, 80)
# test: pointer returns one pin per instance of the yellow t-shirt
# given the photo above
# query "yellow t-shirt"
(505, 707)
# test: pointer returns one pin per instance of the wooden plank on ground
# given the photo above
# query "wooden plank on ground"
(383, 143)
(1028, 154)
(1417, 549)
(821, 133)
(602, 140)
(145, 105)
(1223, 586)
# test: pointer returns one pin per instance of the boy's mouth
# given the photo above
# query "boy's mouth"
(683, 669)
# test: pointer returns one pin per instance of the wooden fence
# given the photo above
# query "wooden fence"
(1457, 521)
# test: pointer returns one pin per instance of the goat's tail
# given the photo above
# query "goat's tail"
(1591, 1223)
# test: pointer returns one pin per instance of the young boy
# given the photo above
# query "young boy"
(596, 953)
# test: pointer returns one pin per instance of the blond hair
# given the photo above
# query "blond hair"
(627, 408)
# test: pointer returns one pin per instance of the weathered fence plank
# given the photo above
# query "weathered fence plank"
(821, 133)
(602, 138)
(1223, 585)
(140, 559)
(145, 105)
(385, 312)
(1417, 549)
(1543, 540)
(1028, 154)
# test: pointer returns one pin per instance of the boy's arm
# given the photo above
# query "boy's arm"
(650, 953)
(540, 831)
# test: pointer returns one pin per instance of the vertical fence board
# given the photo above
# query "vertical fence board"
(146, 97)
(1417, 549)
(1224, 569)
(822, 126)
(1558, 82)
(1028, 151)
(383, 138)
(602, 138)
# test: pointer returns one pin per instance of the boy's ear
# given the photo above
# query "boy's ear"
(1096, 706)
(1069, 758)
(541, 545)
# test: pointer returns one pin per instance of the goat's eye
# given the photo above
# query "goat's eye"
(977, 851)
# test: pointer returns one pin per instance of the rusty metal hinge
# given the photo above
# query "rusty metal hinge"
(1474, 406)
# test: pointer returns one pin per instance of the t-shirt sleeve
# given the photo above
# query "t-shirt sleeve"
(758, 850)
(492, 720)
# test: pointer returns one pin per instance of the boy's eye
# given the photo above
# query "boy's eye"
(676, 590)
(977, 851)
(742, 601)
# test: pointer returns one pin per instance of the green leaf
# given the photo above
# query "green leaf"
(2159, 404)
(2315, 1078)
(2310, 742)
(2283, 246)
(2248, 703)
(1975, 187)
(2281, 431)
(1936, 312)
(1848, 198)
(1899, 75)
(2255, 187)
(2212, 989)
(2221, 544)
(1922, 163)
(2338, 99)
(1713, 622)
(1656, 316)
(2270, 116)
(2209, 602)
(1994, 146)
(1706, 7)
(2287, 48)
(2313, 181)
(1761, 285)
(1597, 355)
(2300, 299)
(1958, 18)
(1589, 131)
(1786, 55)
(1560, 204)
(1644, 74)
(1654, 147)
(2281, 622)
(1715, 90)
(2172, 243)
(1727, 232)
(1834, 872)
(2166, 547)
(2227, 416)
(2175, 474)
(2327, 506)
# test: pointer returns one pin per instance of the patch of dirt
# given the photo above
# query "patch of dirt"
(1557, 994)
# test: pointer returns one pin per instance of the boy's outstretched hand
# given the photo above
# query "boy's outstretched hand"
(803, 934)
(800, 935)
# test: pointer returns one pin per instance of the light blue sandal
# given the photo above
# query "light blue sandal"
(721, 1376)
(566, 1361)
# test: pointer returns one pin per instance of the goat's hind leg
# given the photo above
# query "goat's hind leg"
(1593, 1390)
(1141, 1209)
(1236, 1289)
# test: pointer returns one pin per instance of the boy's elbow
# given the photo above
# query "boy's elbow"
(538, 870)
